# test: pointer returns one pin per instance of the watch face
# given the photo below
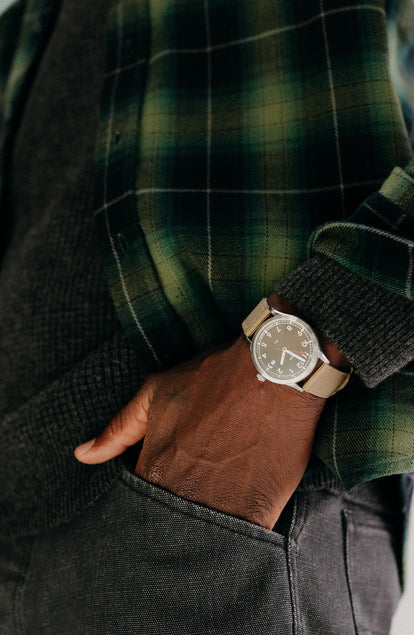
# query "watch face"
(285, 349)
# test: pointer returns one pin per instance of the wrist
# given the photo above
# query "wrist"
(267, 393)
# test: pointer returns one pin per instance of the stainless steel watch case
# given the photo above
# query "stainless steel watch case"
(262, 375)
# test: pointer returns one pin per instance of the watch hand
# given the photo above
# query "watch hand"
(294, 355)
(279, 348)
(282, 359)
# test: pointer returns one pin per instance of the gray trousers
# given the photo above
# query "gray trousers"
(142, 560)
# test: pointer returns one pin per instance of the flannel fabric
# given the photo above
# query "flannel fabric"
(236, 140)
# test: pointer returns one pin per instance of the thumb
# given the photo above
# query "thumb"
(125, 429)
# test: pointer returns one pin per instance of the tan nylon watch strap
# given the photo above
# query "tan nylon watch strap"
(326, 381)
(259, 314)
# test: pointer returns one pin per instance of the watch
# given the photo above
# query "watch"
(285, 350)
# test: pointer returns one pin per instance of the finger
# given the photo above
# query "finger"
(125, 429)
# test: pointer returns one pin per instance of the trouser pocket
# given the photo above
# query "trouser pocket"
(142, 560)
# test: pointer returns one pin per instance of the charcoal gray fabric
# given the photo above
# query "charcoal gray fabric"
(66, 367)
(143, 561)
(55, 306)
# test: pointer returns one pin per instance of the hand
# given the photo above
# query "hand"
(216, 435)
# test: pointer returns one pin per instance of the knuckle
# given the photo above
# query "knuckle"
(147, 390)
(116, 425)
(149, 382)
(153, 472)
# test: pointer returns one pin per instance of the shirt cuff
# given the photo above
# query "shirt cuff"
(377, 241)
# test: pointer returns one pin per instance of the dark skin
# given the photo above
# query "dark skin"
(216, 435)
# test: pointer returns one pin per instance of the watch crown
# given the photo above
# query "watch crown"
(260, 377)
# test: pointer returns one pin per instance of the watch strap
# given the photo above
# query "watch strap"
(325, 381)
(259, 314)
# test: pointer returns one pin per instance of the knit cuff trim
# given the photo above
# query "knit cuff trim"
(372, 326)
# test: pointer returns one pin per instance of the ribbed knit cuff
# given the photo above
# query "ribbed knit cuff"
(373, 327)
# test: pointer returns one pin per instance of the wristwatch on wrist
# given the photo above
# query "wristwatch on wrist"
(285, 350)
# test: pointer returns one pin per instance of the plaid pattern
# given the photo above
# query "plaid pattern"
(237, 138)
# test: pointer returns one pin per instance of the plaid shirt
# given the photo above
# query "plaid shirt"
(237, 139)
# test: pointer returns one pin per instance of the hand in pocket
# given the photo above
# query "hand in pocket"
(216, 435)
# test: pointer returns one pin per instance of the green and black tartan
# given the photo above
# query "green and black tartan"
(236, 140)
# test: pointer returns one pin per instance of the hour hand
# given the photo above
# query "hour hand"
(282, 359)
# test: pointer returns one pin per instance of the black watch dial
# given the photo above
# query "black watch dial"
(285, 349)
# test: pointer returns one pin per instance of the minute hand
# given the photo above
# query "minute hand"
(294, 355)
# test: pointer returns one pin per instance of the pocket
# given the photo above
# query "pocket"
(372, 551)
(201, 570)
(142, 560)
(195, 510)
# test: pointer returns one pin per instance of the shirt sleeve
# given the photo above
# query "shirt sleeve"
(357, 285)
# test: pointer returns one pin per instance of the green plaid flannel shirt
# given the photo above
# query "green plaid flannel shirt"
(237, 139)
